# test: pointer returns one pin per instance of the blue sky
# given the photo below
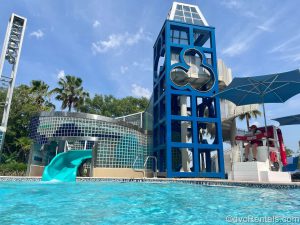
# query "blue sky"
(109, 43)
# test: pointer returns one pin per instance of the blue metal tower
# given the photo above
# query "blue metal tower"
(187, 132)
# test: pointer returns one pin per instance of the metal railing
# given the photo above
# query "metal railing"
(137, 170)
(145, 166)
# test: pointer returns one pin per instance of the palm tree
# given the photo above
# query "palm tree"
(40, 91)
(24, 145)
(70, 92)
(248, 115)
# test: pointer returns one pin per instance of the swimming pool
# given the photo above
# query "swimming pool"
(139, 203)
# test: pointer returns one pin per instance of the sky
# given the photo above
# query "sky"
(109, 44)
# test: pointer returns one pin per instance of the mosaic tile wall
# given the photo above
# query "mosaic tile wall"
(119, 144)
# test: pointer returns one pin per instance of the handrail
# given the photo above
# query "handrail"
(136, 158)
(137, 170)
(145, 164)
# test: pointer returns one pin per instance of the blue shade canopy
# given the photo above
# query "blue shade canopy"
(289, 120)
(273, 88)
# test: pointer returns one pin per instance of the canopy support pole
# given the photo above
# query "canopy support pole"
(265, 119)
(264, 110)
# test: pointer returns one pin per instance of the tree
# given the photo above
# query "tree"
(289, 152)
(24, 145)
(108, 105)
(23, 108)
(248, 115)
(70, 92)
(40, 92)
(131, 105)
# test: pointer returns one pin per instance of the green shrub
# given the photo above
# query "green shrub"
(13, 169)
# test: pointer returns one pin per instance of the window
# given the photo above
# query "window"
(179, 18)
(195, 15)
(193, 9)
(198, 22)
(188, 20)
(178, 13)
(187, 14)
(186, 8)
(179, 7)
(179, 36)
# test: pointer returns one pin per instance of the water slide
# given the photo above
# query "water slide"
(63, 167)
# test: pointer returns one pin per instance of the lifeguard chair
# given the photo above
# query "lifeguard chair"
(271, 158)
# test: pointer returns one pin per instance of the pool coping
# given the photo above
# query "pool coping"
(196, 181)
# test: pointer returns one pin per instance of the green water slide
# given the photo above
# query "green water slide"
(63, 167)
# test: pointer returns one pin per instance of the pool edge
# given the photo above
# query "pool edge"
(207, 182)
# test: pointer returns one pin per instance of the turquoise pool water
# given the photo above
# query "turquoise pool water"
(139, 203)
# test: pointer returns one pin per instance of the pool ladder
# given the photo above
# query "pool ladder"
(145, 166)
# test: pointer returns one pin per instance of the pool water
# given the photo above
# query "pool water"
(139, 203)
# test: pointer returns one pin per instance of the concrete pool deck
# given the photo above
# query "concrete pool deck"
(196, 181)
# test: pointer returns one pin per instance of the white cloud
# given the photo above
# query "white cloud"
(138, 36)
(96, 24)
(293, 103)
(139, 91)
(264, 28)
(61, 74)
(143, 65)
(283, 46)
(231, 4)
(239, 7)
(38, 34)
(115, 40)
(295, 57)
(241, 43)
(236, 48)
(289, 50)
(250, 14)
(123, 69)
(244, 41)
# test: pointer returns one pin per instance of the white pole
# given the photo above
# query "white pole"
(184, 136)
(264, 110)
(265, 120)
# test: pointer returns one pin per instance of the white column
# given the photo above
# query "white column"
(185, 159)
